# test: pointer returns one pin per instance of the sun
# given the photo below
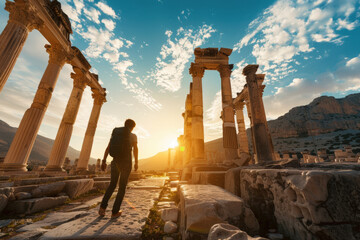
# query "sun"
(173, 144)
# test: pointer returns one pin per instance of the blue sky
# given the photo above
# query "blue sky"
(142, 51)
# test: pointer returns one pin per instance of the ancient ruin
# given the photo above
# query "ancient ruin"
(54, 25)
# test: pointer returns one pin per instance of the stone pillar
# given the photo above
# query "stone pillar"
(21, 146)
(62, 140)
(197, 125)
(22, 20)
(187, 128)
(263, 145)
(242, 137)
(248, 108)
(229, 131)
(84, 158)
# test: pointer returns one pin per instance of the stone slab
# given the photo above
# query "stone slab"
(53, 219)
(232, 181)
(75, 188)
(135, 207)
(101, 185)
(34, 205)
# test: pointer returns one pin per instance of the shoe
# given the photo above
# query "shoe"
(116, 215)
(102, 212)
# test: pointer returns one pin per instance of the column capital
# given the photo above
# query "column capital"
(21, 13)
(57, 54)
(80, 80)
(99, 98)
(250, 69)
(240, 105)
(196, 70)
(225, 70)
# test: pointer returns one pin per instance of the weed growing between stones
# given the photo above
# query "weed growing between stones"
(153, 229)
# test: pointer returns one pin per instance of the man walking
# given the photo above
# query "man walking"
(120, 147)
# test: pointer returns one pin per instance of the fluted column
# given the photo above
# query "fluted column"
(263, 145)
(63, 136)
(21, 146)
(242, 137)
(229, 131)
(22, 20)
(197, 125)
(90, 131)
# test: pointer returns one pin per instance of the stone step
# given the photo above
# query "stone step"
(33, 181)
(101, 179)
(209, 177)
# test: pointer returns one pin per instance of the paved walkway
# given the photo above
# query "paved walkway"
(83, 222)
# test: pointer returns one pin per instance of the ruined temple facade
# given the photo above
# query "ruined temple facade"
(48, 18)
(235, 143)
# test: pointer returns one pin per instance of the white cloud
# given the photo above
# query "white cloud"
(106, 9)
(92, 14)
(109, 24)
(176, 53)
(289, 28)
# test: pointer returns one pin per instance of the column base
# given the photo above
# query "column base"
(54, 169)
(81, 171)
(13, 167)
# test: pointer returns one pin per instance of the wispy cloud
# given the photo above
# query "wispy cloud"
(289, 28)
(176, 53)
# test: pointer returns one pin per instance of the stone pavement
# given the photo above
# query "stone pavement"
(80, 224)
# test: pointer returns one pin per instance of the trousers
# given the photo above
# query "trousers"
(117, 169)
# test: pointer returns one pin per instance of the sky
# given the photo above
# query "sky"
(142, 50)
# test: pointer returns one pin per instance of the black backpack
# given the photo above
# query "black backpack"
(120, 147)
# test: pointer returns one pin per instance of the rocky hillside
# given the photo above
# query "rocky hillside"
(323, 115)
(41, 149)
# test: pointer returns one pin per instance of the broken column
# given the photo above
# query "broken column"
(262, 142)
(242, 137)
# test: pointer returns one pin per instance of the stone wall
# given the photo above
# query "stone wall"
(304, 203)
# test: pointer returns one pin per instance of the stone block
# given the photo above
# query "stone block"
(3, 201)
(229, 232)
(6, 184)
(22, 195)
(304, 203)
(174, 183)
(34, 205)
(75, 188)
(101, 185)
(6, 195)
(169, 214)
(202, 206)
(216, 178)
(170, 227)
(48, 190)
(232, 181)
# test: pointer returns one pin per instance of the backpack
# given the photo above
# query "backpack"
(120, 147)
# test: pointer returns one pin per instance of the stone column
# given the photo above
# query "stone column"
(229, 131)
(187, 129)
(263, 146)
(248, 108)
(84, 158)
(197, 125)
(242, 137)
(62, 140)
(22, 20)
(21, 146)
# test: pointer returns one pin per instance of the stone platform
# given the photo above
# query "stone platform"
(83, 221)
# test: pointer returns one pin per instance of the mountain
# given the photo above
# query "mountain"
(326, 122)
(41, 150)
(323, 115)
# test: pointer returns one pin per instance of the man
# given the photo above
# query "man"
(120, 147)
